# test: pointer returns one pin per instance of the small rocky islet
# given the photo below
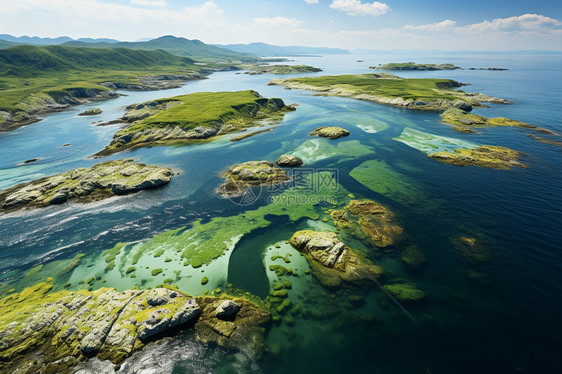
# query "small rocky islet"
(107, 179)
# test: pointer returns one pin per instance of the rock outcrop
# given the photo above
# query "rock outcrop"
(369, 219)
(91, 112)
(463, 121)
(331, 261)
(289, 161)
(42, 331)
(103, 180)
(240, 177)
(486, 156)
(330, 132)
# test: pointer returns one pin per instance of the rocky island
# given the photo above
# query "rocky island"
(487, 156)
(331, 261)
(250, 174)
(465, 122)
(101, 181)
(281, 69)
(413, 66)
(389, 89)
(368, 219)
(330, 132)
(193, 117)
(51, 332)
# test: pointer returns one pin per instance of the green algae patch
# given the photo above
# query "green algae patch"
(155, 272)
(314, 150)
(378, 176)
(430, 143)
(486, 156)
(191, 117)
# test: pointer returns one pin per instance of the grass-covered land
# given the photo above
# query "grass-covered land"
(282, 69)
(384, 88)
(194, 116)
(413, 66)
(35, 80)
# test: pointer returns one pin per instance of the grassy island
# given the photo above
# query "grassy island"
(192, 117)
(413, 66)
(282, 69)
(385, 88)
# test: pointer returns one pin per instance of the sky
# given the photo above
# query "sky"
(475, 25)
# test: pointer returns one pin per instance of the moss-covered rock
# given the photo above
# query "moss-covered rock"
(101, 181)
(44, 331)
(486, 156)
(464, 122)
(405, 292)
(251, 174)
(330, 132)
(331, 260)
(367, 218)
(289, 161)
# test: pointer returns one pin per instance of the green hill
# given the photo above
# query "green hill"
(195, 49)
(28, 61)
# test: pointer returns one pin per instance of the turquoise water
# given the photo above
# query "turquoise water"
(501, 316)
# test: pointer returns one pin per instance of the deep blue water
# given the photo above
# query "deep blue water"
(508, 322)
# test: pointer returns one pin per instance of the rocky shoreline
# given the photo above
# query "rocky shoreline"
(52, 332)
(104, 180)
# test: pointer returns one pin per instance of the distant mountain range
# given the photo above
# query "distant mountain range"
(263, 49)
(177, 46)
(35, 40)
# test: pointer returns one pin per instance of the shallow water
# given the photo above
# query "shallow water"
(501, 316)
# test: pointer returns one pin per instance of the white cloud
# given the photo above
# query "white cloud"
(357, 8)
(277, 22)
(149, 2)
(523, 22)
(312, 1)
(440, 26)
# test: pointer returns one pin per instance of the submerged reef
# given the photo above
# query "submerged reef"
(51, 332)
(385, 88)
(331, 261)
(486, 156)
(192, 117)
(404, 291)
(330, 132)
(101, 181)
(369, 219)
(250, 174)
